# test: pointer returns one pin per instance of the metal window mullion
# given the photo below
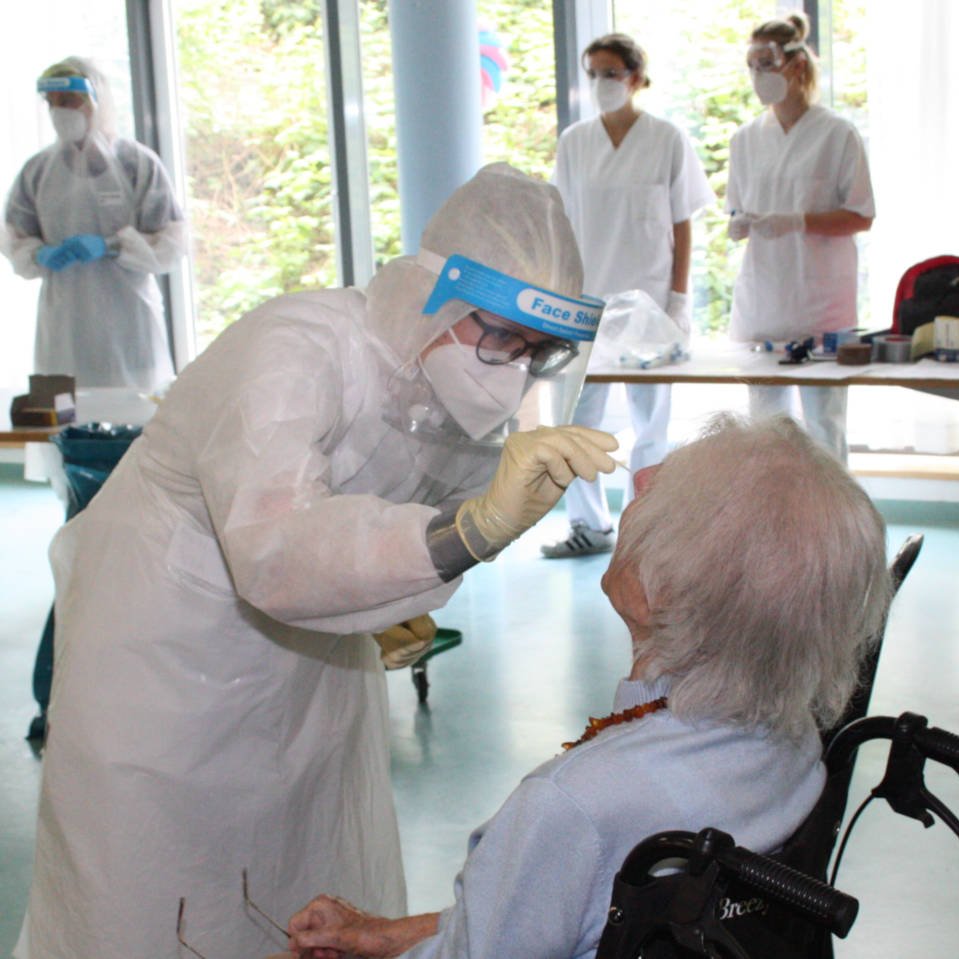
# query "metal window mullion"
(150, 38)
(575, 24)
(347, 135)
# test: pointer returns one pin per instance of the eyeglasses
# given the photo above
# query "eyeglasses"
(610, 73)
(765, 57)
(246, 899)
(499, 345)
(764, 64)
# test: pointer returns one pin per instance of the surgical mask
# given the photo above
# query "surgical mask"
(70, 125)
(770, 87)
(609, 95)
(478, 396)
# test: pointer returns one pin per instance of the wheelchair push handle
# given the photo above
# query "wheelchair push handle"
(940, 745)
(824, 905)
(932, 743)
(830, 908)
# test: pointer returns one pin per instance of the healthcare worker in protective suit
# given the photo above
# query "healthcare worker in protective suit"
(94, 215)
(324, 471)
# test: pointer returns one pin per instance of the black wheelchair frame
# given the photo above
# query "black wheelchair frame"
(724, 897)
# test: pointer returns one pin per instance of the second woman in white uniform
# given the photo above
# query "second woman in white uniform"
(799, 189)
(631, 183)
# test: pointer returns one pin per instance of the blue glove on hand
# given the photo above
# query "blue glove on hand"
(56, 258)
(87, 247)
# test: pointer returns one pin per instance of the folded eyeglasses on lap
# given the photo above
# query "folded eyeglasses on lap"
(246, 899)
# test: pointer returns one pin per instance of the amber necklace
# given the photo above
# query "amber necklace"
(596, 726)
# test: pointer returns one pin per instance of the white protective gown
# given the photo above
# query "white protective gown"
(218, 703)
(801, 284)
(623, 203)
(102, 322)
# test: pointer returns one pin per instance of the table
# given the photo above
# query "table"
(94, 405)
(724, 362)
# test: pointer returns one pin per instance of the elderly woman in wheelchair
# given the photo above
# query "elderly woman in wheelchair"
(751, 573)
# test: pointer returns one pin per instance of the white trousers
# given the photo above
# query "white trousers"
(649, 416)
(823, 412)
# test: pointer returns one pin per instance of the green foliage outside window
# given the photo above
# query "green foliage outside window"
(253, 86)
(253, 90)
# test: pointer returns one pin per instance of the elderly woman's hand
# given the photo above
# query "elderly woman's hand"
(330, 927)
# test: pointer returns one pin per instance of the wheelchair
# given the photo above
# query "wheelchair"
(726, 902)
(722, 901)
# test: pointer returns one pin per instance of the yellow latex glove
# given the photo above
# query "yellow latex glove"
(403, 644)
(533, 473)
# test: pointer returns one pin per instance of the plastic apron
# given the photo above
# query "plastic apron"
(195, 733)
(99, 321)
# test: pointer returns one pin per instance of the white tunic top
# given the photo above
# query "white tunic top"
(623, 201)
(802, 283)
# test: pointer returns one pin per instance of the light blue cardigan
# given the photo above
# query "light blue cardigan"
(538, 877)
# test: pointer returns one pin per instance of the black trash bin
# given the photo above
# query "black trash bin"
(90, 452)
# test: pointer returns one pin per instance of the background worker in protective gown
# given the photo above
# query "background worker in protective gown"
(94, 215)
(326, 469)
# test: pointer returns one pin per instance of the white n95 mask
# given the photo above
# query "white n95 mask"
(70, 125)
(478, 396)
(770, 87)
(608, 94)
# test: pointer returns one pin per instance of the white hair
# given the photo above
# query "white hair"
(764, 566)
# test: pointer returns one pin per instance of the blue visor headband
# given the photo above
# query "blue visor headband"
(66, 84)
(463, 279)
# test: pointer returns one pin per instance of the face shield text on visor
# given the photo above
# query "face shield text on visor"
(66, 85)
(545, 342)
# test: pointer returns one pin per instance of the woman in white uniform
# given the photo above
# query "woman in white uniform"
(94, 215)
(315, 476)
(799, 190)
(631, 183)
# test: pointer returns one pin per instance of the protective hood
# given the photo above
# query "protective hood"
(503, 219)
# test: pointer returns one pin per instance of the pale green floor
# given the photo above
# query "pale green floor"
(541, 652)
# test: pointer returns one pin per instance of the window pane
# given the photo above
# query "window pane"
(520, 119)
(47, 31)
(697, 65)
(252, 88)
(380, 116)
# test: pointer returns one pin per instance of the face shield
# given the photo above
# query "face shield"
(66, 85)
(75, 82)
(72, 102)
(540, 337)
(766, 61)
(765, 56)
(518, 362)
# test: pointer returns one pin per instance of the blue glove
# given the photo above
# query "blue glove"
(56, 258)
(86, 247)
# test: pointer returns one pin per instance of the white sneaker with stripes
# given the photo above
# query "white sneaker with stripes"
(582, 541)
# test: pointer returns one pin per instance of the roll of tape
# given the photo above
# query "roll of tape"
(894, 348)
